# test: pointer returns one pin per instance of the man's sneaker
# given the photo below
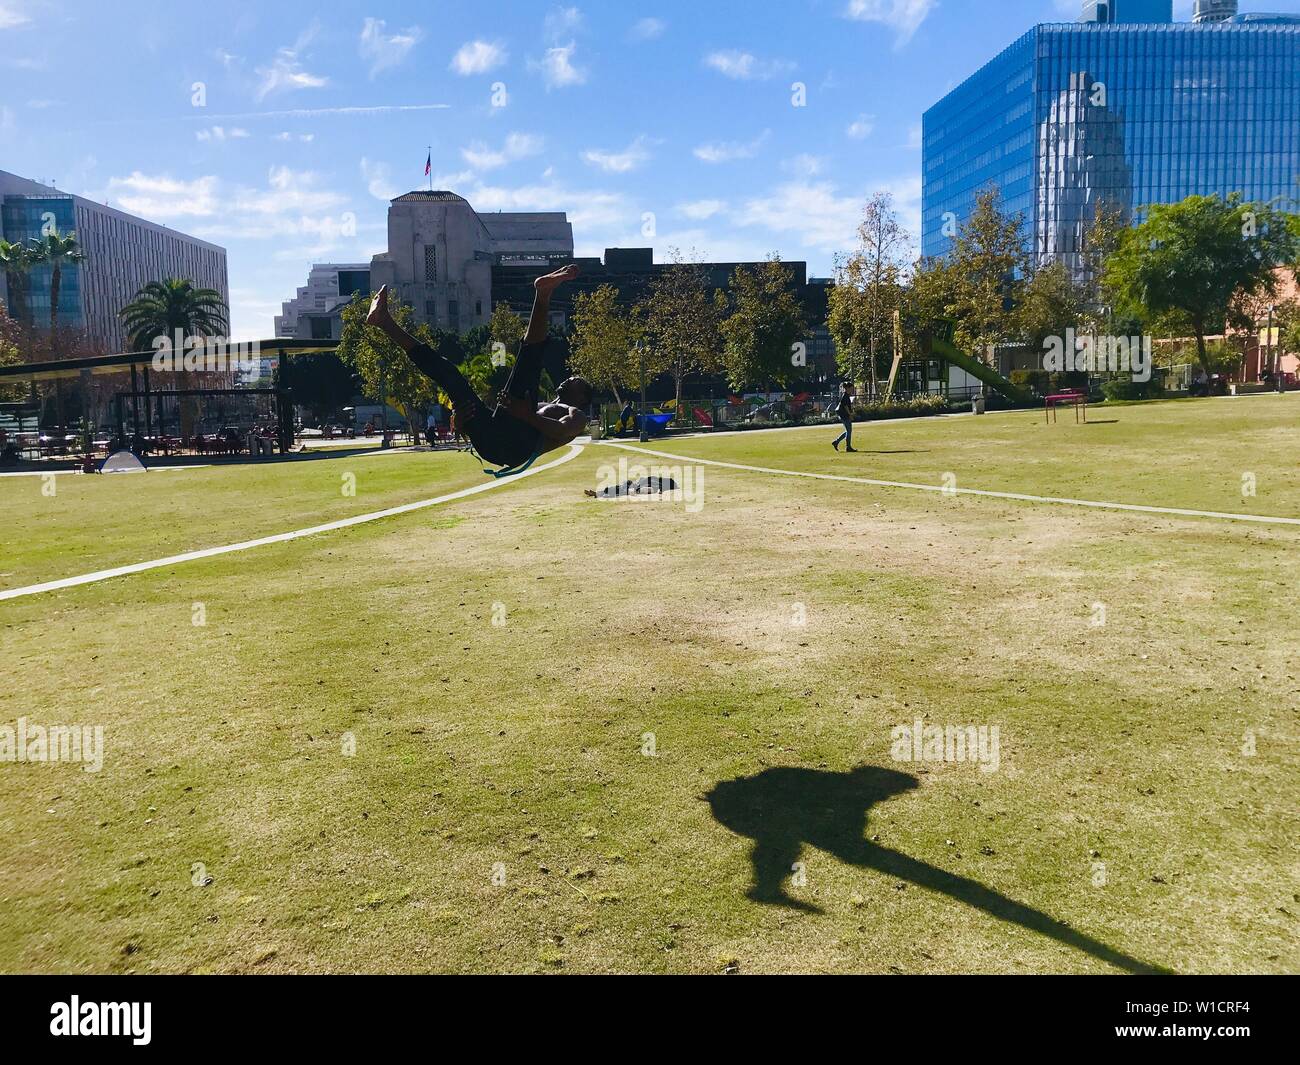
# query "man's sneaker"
(835, 444)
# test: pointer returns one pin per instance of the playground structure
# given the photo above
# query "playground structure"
(936, 342)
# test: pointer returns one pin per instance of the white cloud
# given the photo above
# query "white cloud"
(904, 17)
(804, 165)
(812, 212)
(379, 180)
(562, 22)
(620, 162)
(729, 151)
(452, 180)
(517, 146)
(861, 127)
(590, 210)
(220, 134)
(818, 217)
(913, 138)
(161, 197)
(478, 57)
(742, 66)
(701, 210)
(305, 138)
(285, 74)
(557, 67)
(287, 191)
(290, 204)
(313, 112)
(648, 29)
(11, 17)
(382, 50)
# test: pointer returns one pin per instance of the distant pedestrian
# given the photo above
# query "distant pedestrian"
(844, 411)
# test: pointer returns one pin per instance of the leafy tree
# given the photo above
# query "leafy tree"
(603, 348)
(765, 322)
(506, 327)
(1051, 301)
(386, 371)
(1101, 240)
(869, 289)
(1184, 266)
(478, 339)
(681, 321)
(319, 381)
(10, 354)
(987, 257)
(1288, 326)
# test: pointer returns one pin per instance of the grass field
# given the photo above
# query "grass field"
(531, 731)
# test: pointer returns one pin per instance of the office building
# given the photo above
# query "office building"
(1131, 113)
(441, 252)
(123, 253)
(313, 313)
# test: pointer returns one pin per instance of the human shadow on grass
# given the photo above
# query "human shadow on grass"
(782, 809)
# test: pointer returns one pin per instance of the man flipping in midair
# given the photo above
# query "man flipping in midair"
(520, 427)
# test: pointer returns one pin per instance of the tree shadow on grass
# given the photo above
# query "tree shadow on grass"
(782, 809)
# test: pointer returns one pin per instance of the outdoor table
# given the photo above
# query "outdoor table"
(1078, 400)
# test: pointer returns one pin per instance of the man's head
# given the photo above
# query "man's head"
(575, 392)
(847, 386)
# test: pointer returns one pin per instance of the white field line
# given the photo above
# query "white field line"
(1260, 519)
(65, 473)
(211, 552)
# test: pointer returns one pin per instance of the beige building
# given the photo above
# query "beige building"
(441, 253)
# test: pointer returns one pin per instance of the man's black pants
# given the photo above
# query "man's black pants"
(497, 436)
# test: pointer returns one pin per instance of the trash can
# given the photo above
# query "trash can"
(977, 405)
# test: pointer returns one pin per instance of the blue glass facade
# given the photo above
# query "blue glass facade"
(1128, 11)
(25, 218)
(1073, 114)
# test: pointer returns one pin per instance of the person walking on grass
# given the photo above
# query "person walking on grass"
(844, 411)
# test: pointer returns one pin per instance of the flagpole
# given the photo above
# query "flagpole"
(429, 157)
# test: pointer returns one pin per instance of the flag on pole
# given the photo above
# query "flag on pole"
(428, 164)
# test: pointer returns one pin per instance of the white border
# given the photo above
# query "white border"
(1139, 508)
(361, 519)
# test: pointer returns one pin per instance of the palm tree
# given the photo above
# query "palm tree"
(160, 309)
(56, 251)
(16, 261)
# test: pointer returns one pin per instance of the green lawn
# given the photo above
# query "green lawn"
(672, 709)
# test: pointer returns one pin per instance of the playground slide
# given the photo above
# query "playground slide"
(945, 349)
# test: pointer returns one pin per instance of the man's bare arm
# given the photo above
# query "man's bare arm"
(555, 430)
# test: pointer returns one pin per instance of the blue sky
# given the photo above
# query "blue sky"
(312, 115)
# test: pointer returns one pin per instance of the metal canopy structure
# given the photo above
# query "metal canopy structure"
(70, 369)
(146, 398)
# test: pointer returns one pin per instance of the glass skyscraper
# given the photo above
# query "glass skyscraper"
(1073, 114)
(122, 253)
